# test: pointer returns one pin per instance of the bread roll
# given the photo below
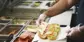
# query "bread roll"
(51, 32)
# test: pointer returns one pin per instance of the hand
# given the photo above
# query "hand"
(40, 19)
(74, 33)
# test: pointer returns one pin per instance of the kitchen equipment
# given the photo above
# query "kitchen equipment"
(36, 4)
(2, 25)
(5, 21)
(25, 3)
(19, 21)
(32, 22)
(10, 31)
(31, 28)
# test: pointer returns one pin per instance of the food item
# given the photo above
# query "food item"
(54, 30)
(6, 18)
(19, 21)
(51, 32)
(33, 22)
(2, 17)
(13, 32)
(36, 4)
(21, 40)
(41, 31)
(26, 36)
(26, 3)
(32, 28)
(43, 36)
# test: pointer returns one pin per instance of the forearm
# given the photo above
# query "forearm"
(59, 7)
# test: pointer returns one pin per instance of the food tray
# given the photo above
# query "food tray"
(9, 30)
(25, 3)
(19, 21)
(6, 17)
(32, 22)
(5, 21)
(1, 26)
(36, 4)
(31, 28)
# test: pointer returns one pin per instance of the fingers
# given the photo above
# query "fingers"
(40, 19)
(70, 32)
(38, 22)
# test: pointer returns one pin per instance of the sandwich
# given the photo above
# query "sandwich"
(49, 31)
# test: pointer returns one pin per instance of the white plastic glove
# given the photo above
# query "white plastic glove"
(40, 19)
(74, 33)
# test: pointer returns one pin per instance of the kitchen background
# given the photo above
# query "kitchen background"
(26, 12)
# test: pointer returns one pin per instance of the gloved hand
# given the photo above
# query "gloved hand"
(40, 19)
(74, 33)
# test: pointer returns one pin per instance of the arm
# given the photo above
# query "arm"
(60, 7)
(56, 9)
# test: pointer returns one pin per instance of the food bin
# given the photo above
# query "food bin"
(36, 4)
(6, 17)
(27, 39)
(10, 31)
(2, 26)
(25, 3)
(5, 21)
(19, 21)
(31, 28)
(32, 22)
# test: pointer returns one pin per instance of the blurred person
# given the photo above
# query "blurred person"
(61, 6)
